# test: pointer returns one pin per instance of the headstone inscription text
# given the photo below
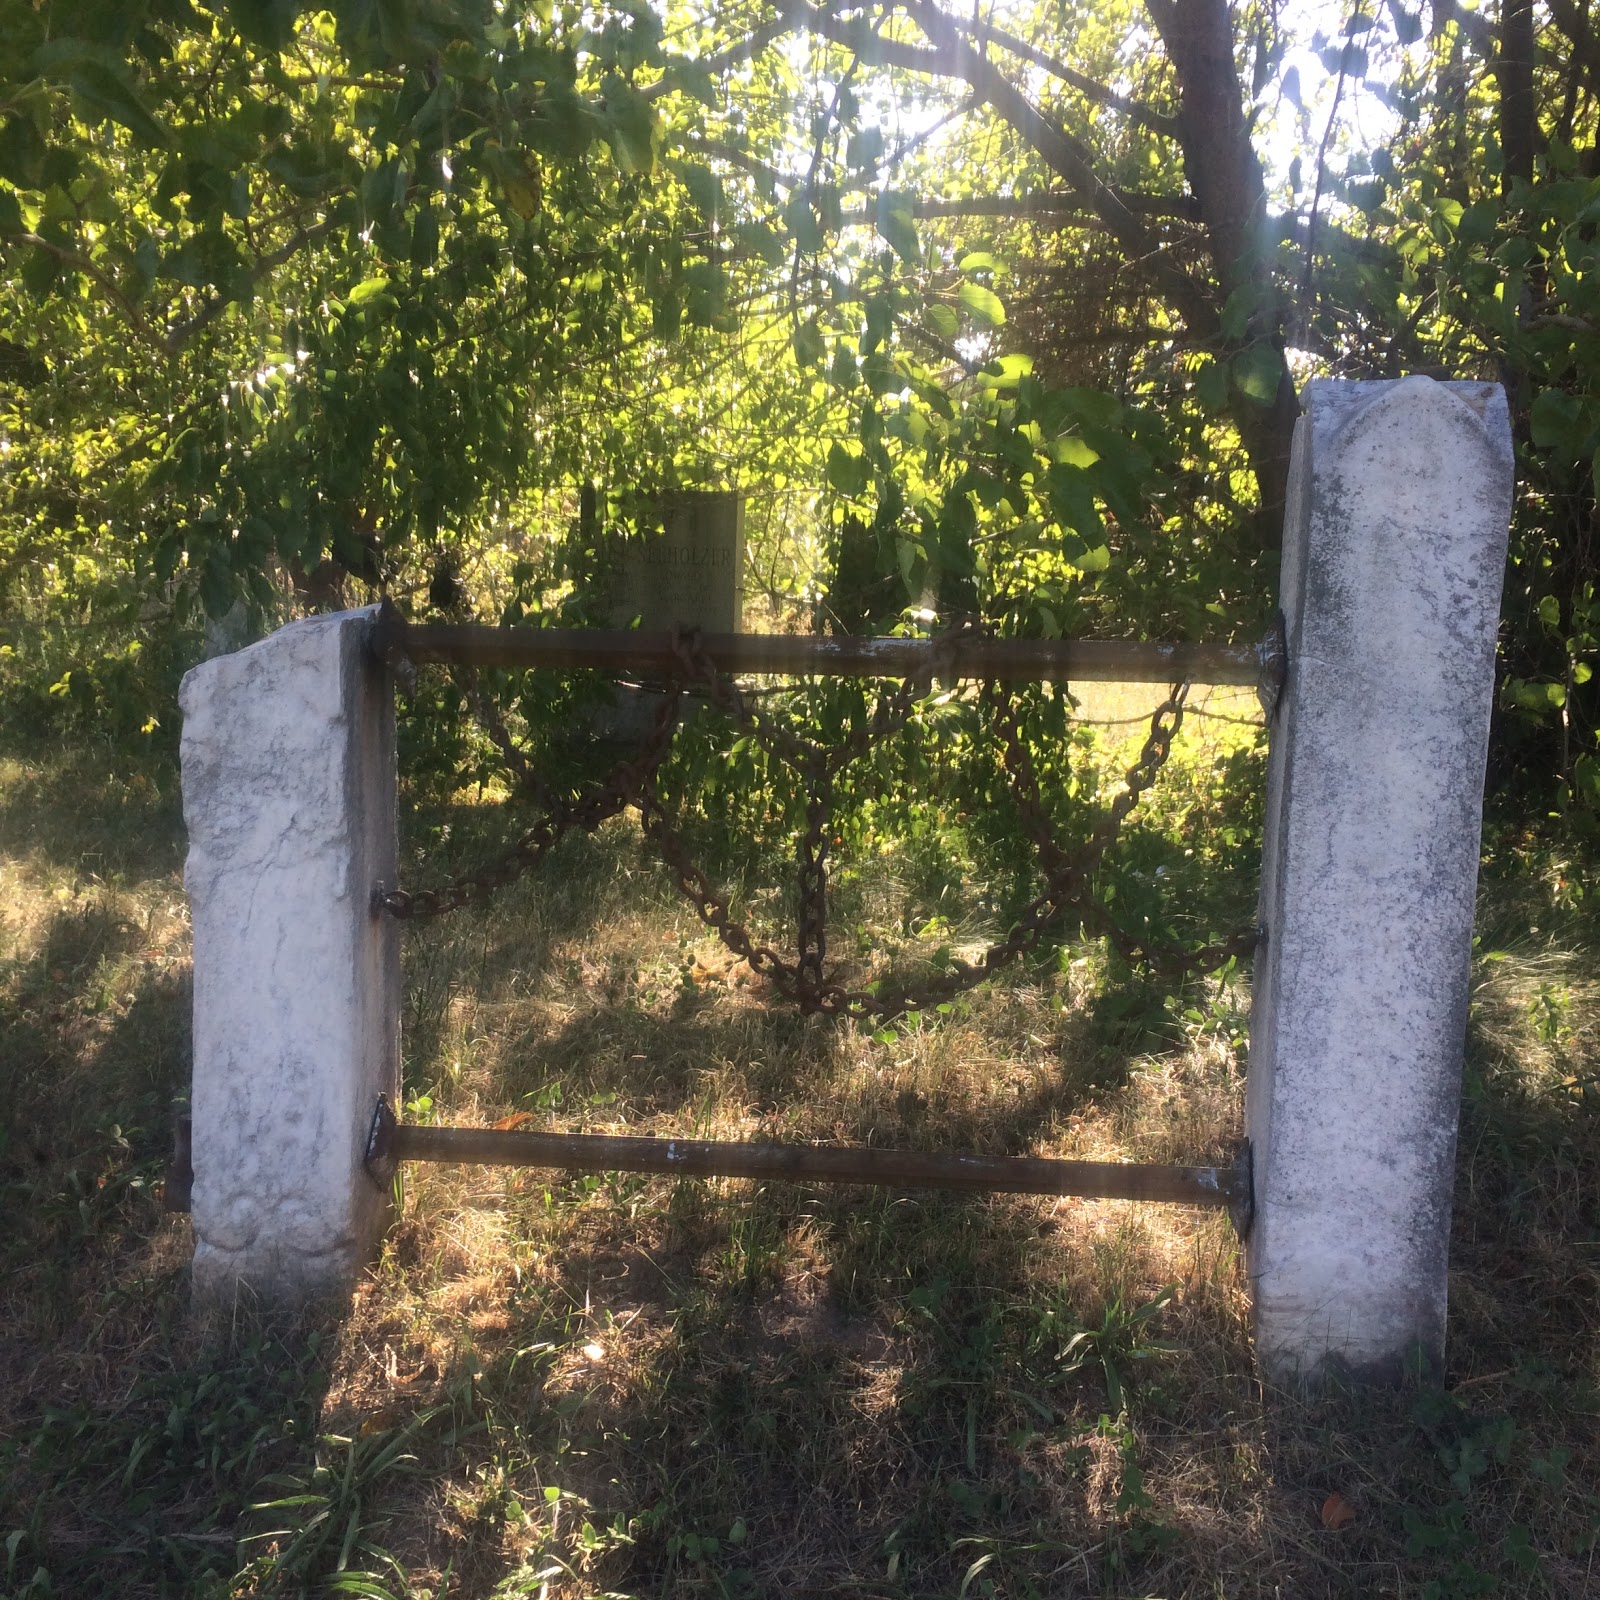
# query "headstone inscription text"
(688, 568)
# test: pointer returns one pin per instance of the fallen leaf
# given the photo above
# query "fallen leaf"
(515, 1120)
(381, 1421)
(1337, 1512)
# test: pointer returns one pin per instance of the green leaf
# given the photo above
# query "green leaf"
(801, 221)
(983, 305)
(896, 226)
(1236, 311)
(268, 23)
(1257, 373)
(1586, 779)
(864, 149)
(691, 78)
(1211, 386)
(809, 345)
(632, 125)
(1073, 505)
(1555, 420)
(758, 237)
(1092, 407)
(942, 321)
(848, 470)
(705, 188)
(425, 238)
(979, 261)
(1542, 699)
(1478, 222)
(370, 289)
(909, 554)
(520, 180)
(1074, 452)
(1407, 24)
(101, 79)
(1007, 371)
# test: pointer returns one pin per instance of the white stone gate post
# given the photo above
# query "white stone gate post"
(289, 797)
(1394, 549)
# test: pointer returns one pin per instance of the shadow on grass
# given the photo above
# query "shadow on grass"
(94, 811)
(131, 1440)
(732, 1389)
(694, 1388)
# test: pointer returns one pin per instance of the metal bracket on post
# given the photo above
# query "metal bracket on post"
(387, 643)
(1273, 654)
(382, 1159)
(1242, 1195)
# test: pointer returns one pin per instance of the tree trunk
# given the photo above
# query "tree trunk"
(1226, 179)
(1519, 122)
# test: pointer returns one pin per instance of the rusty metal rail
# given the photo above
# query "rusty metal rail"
(776, 654)
(391, 1142)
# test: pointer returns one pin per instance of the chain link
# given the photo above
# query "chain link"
(1069, 877)
(621, 788)
(804, 981)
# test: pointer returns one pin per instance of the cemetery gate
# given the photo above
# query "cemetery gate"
(1379, 699)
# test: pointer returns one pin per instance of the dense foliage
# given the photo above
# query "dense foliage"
(997, 314)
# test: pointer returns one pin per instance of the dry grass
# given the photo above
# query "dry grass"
(567, 1387)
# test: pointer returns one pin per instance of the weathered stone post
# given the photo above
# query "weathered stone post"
(1394, 548)
(289, 796)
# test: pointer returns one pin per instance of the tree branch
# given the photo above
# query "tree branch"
(1225, 176)
(1572, 18)
(1068, 157)
(752, 44)
(1135, 110)
(1049, 203)
(181, 333)
(1519, 117)
(953, 56)
(746, 162)
(128, 311)
(335, 80)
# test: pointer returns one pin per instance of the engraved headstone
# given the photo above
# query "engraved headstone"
(685, 565)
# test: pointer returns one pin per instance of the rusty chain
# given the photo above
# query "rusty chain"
(622, 788)
(1069, 877)
(804, 981)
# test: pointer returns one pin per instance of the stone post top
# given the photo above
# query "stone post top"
(1337, 404)
(220, 668)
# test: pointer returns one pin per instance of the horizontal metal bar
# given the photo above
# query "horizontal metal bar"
(908, 1169)
(779, 654)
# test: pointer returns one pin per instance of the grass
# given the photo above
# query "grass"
(630, 1386)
